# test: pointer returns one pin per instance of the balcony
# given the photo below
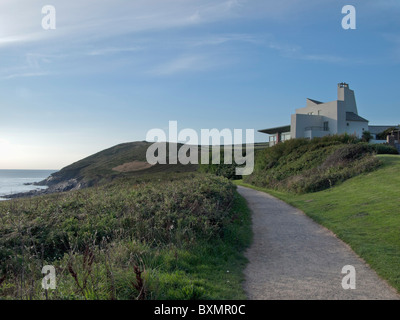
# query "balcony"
(315, 132)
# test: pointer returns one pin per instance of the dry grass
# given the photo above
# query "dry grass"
(132, 166)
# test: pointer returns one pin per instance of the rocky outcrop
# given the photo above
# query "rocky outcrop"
(63, 186)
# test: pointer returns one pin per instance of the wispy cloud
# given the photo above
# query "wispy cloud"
(227, 38)
(112, 50)
(15, 39)
(93, 19)
(293, 51)
(181, 64)
(24, 75)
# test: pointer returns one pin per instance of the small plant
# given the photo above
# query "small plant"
(139, 285)
(366, 136)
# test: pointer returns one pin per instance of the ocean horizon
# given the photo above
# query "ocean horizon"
(14, 181)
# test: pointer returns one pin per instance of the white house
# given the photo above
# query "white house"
(319, 119)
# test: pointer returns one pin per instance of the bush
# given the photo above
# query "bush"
(223, 170)
(366, 136)
(384, 149)
(99, 238)
(383, 135)
(301, 165)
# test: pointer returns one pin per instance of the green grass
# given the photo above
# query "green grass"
(186, 233)
(98, 168)
(363, 211)
(304, 165)
(213, 268)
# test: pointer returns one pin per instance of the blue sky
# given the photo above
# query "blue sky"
(113, 70)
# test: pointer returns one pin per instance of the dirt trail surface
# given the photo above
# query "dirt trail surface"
(292, 257)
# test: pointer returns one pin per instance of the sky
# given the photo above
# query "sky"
(113, 70)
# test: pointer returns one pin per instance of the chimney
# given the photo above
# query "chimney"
(347, 95)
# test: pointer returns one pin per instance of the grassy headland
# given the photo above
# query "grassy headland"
(102, 167)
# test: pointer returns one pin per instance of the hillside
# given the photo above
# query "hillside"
(303, 165)
(123, 160)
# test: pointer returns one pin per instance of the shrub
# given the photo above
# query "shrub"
(224, 170)
(98, 237)
(301, 165)
(366, 136)
(383, 135)
(385, 149)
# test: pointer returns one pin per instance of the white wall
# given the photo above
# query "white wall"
(333, 112)
(325, 112)
(356, 127)
(347, 95)
(373, 141)
(301, 121)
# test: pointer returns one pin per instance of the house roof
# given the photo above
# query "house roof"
(315, 101)
(380, 129)
(276, 130)
(351, 116)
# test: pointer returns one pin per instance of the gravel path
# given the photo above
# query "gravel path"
(292, 257)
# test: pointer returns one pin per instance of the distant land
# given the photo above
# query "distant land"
(123, 160)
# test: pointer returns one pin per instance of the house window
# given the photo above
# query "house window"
(326, 126)
(286, 136)
(348, 124)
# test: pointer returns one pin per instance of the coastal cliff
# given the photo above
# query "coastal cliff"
(123, 160)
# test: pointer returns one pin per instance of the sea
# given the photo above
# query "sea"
(14, 181)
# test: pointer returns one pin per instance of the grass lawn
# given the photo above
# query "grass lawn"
(364, 212)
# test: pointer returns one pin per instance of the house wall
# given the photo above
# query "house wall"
(374, 141)
(334, 112)
(353, 126)
(341, 118)
(299, 122)
(324, 112)
(356, 127)
(347, 96)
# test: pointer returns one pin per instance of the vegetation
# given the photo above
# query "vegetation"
(302, 165)
(161, 237)
(362, 211)
(102, 167)
(98, 168)
(385, 149)
(366, 136)
(221, 169)
(383, 135)
(228, 170)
